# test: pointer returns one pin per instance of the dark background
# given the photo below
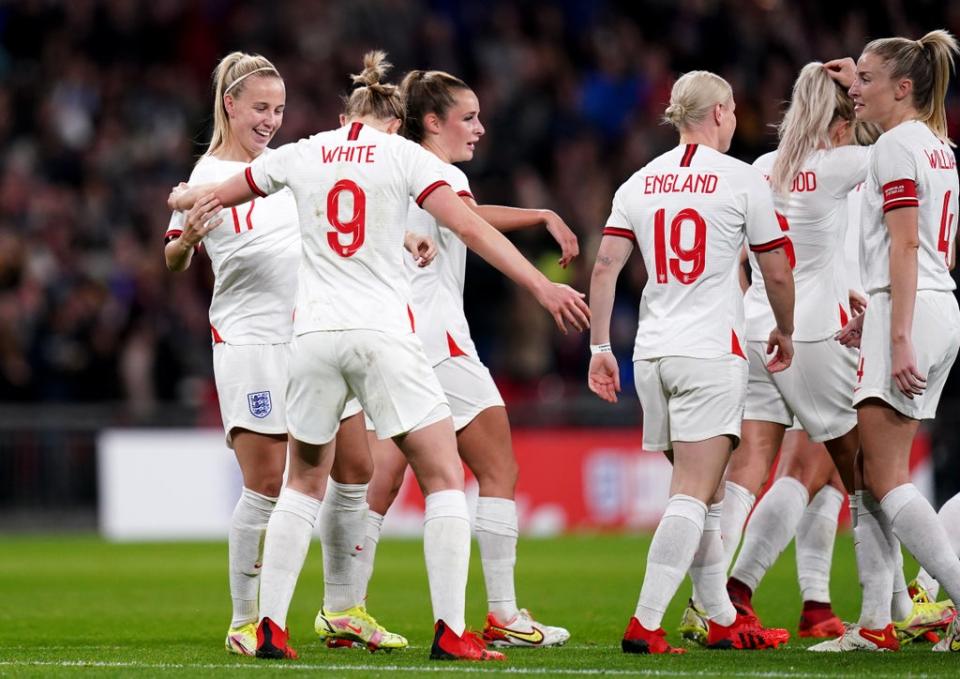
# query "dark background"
(104, 105)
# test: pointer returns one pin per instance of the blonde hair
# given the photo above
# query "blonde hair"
(231, 76)
(927, 62)
(693, 97)
(426, 92)
(817, 101)
(372, 97)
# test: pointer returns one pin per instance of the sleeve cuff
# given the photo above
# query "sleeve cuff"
(430, 189)
(771, 245)
(248, 173)
(622, 233)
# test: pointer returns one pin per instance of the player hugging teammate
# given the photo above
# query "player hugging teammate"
(719, 386)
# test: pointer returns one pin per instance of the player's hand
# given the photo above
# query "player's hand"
(566, 305)
(173, 200)
(422, 248)
(905, 373)
(849, 335)
(858, 303)
(843, 71)
(201, 220)
(565, 237)
(780, 345)
(603, 378)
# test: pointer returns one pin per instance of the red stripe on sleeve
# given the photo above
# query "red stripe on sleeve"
(899, 193)
(465, 194)
(252, 184)
(617, 231)
(171, 234)
(430, 189)
(772, 245)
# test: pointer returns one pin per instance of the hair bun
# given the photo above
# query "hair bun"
(375, 69)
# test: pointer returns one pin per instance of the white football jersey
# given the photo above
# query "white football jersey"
(851, 244)
(911, 167)
(255, 253)
(352, 186)
(814, 217)
(689, 211)
(437, 289)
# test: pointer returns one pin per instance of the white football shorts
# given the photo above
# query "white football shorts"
(816, 390)
(389, 374)
(690, 399)
(469, 388)
(936, 339)
(251, 384)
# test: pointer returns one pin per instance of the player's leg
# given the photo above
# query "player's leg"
(484, 443)
(316, 393)
(389, 467)
(775, 519)
(816, 534)
(949, 516)
(403, 398)
(765, 418)
(262, 458)
(703, 418)
(251, 381)
(287, 541)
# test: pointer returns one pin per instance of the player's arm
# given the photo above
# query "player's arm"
(565, 304)
(504, 218)
(603, 377)
(200, 220)
(904, 246)
(238, 189)
(778, 280)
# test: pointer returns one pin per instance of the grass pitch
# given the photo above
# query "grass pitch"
(83, 607)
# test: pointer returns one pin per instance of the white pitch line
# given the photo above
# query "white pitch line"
(303, 667)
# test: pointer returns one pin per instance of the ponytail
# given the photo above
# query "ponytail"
(371, 96)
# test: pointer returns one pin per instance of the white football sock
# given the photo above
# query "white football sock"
(342, 531)
(367, 557)
(949, 515)
(901, 605)
(816, 533)
(284, 551)
(771, 528)
(496, 527)
(670, 555)
(708, 574)
(244, 548)
(737, 503)
(875, 561)
(446, 548)
(917, 526)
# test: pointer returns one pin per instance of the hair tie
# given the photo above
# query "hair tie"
(247, 75)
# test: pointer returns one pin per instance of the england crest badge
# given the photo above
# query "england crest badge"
(260, 403)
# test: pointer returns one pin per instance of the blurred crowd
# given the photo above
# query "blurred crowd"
(104, 105)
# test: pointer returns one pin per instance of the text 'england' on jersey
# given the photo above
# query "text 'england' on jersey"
(690, 211)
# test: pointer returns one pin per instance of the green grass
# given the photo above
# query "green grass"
(79, 606)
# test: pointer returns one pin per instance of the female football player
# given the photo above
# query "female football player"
(689, 211)
(911, 329)
(443, 116)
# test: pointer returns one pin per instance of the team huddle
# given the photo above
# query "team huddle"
(339, 332)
